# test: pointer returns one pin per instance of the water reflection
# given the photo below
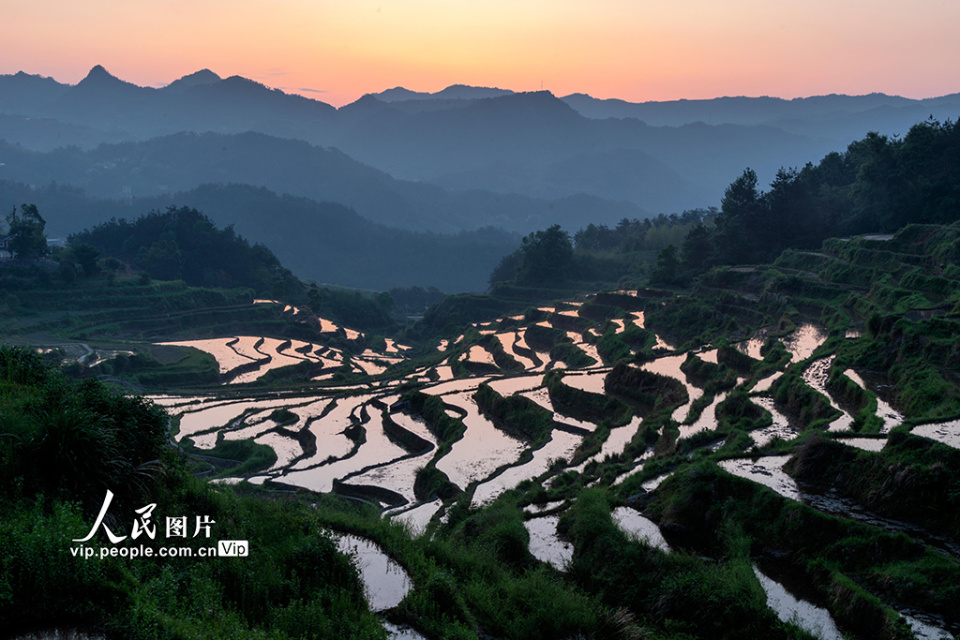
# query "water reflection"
(385, 582)
(707, 420)
(376, 450)
(220, 415)
(480, 355)
(328, 432)
(670, 366)
(779, 428)
(286, 448)
(708, 356)
(402, 632)
(804, 340)
(615, 443)
(540, 508)
(947, 433)
(816, 376)
(753, 346)
(542, 397)
(455, 386)
(866, 444)
(636, 469)
(766, 383)
(806, 615)
(560, 447)
(481, 451)
(767, 471)
(398, 476)
(226, 357)
(419, 516)
(510, 341)
(632, 523)
(924, 630)
(653, 483)
(509, 386)
(61, 634)
(275, 360)
(890, 416)
(589, 382)
(546, 545)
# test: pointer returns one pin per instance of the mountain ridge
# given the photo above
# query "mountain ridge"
(678, 155)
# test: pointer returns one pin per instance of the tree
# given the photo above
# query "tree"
(547, 257)
(313, 295)
(741, 224)
(668, 267)
(698, 248)
(506, 270)
(86, 256)
(27, 241)
(162, 259)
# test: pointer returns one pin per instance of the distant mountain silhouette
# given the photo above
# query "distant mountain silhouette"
(399, 93)
(839, 117)
(100, 86)
(22, 93)
(453, 92)
(513, 143)
(183, 161)
(659, 156)
(199, 102)
(204, 76)
(731, 110)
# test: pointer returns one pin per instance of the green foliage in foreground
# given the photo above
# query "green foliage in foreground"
(64, 445)
(680, 592)
(719, 514)
(69, 440)
(293, 584)
(920, 478)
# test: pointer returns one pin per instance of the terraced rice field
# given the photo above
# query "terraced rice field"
(368, 442)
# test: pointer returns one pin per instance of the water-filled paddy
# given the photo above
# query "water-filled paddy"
(545, 543)
(385, 582)
(560, 447)
(789, 608)
(377, 449)
(631, 522)
(947, 433)
(482, 449)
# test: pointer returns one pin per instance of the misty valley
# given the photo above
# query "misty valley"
(431, 366)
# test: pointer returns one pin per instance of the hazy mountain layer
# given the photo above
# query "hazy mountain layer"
(184, 161)
(659, 156)
(469, 136)
(839, 118)
(320, 241)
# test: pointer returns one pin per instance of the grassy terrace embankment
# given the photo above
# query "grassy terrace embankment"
(474, 575)
(902, 295)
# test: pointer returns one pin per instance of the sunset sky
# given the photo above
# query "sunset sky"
(637, 50)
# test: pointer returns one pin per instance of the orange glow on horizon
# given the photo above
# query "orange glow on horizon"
(338, 50)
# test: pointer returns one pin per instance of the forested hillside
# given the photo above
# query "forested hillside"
(876, 186)
(320, 241)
